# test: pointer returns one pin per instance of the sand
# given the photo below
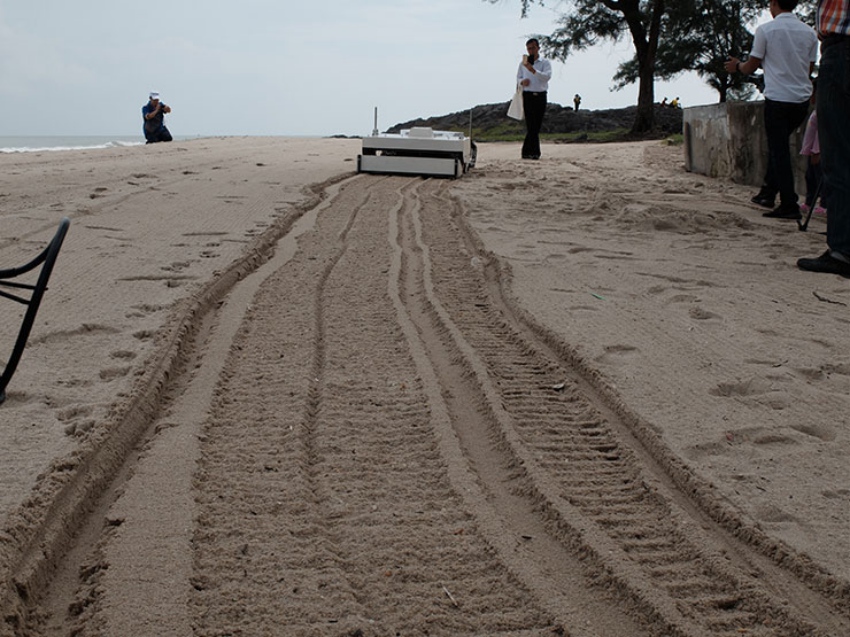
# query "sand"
(590, 395)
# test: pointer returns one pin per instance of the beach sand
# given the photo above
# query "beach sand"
(590, 395)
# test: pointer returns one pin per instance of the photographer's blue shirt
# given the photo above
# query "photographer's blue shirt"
(155, 123)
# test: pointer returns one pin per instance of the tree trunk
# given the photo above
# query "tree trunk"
(646, 47)
(645, 116)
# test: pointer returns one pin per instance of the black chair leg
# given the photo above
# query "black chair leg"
(46, 259)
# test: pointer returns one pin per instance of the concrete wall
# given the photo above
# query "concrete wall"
(728, 141)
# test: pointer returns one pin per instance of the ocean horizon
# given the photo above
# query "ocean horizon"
(51, 143)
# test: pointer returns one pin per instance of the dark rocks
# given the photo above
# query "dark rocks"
(491, 121)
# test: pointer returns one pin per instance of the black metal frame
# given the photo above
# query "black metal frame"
(802, 224)
(48, 259)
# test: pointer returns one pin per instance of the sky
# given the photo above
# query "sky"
(281, 67)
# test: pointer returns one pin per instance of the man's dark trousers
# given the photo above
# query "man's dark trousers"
(534, 107)
(780, 120)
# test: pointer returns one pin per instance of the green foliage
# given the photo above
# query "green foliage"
(698, 36)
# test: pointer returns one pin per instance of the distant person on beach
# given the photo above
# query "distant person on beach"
(153, 114)
(577, 101)
(786, 49)
(533, 75)
(674, 103)
(664, 102)
(833, 105)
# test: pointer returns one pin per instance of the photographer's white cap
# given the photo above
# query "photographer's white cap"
(154, 95)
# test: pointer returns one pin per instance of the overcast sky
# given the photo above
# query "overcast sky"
(280, 67)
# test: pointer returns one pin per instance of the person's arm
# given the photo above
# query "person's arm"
(734, 65)
(545, 72)
(151, 113)
(757, 53)
(520, 78)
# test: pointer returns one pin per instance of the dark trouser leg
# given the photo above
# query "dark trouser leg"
(534, 106)
(780, 120)
(834, 134)
(162, 135)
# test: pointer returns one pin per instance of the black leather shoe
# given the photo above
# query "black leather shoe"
(764, 200)
(784, 211)
(825, 263)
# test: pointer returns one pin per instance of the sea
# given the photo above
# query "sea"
(42, 143)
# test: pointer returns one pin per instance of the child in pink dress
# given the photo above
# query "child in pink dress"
(814, 173)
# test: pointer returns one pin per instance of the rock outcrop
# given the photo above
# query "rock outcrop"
(489, 120)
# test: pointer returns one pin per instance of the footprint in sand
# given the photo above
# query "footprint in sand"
(86, 329)
(837, 494)
(616, 354)
(700, 314)
(821, 432)
(750, 436)
(111, 373)
(177, 266)
(771, 513)
(77, 419)
(140, 311)
(741, 388)
(74, 412)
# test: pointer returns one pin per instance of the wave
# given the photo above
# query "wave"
(58, 144)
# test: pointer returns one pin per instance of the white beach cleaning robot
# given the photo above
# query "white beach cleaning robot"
(417, 151)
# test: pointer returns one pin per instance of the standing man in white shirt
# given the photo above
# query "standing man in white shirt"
(786, 49)
(533, 75)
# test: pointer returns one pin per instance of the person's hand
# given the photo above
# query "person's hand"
(814, 158)
(731, 65)
(525, 82)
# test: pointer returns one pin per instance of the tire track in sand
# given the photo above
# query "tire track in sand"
(390, 451)
(598, 486)
(325, 505)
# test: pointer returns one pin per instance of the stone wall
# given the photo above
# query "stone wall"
(727, 140)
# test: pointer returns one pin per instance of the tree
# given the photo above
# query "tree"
(698, 36)
(592, 20)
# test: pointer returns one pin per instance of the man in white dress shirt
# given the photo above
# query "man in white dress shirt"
(786, 48)
(533, 75)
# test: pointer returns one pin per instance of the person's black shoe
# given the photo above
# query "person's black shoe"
(825, 263)
(784, 211)
(764, 200)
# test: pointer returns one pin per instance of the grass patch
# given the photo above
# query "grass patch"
(513, 133)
